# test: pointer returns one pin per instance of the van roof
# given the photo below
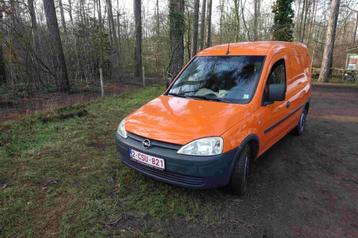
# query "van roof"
(251, 48)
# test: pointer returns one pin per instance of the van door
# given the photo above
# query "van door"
(297, 87)
(273, 114)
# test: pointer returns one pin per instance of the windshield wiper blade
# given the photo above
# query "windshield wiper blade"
(177, 95)
(209, 98)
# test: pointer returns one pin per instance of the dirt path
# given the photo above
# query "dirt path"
(304, 186)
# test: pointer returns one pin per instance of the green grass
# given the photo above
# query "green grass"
(62, 177)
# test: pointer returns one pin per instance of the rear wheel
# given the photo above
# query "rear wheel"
(239, 177)
(301, 123)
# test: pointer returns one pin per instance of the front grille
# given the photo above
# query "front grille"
(167, 175)
(155, 143)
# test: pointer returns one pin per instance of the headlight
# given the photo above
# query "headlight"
(121, 129)
(203, 147)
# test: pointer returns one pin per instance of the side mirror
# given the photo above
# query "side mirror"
(277, 92)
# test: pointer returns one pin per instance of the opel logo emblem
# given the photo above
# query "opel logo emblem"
(146, 143)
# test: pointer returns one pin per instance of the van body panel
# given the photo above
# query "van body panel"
(179, 121)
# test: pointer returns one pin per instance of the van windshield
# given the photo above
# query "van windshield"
(231, 79)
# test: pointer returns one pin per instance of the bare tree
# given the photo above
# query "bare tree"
(355, 29)
(244, 21)
(63, 20)
(177, 27)
(257, 6)
(202, 25)
(138, 38)
(237, 19)
(37, 52)
(329, 43)
(195, 27)
(99, 11)
(70, 10)
(34, 28)
(59, 58)
(2, 59)
(221, 23)
(208, 35)
(188, 27)
(112, 30)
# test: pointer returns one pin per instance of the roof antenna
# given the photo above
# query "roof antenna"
(228, 49)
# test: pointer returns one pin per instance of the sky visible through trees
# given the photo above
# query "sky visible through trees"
(97, 38)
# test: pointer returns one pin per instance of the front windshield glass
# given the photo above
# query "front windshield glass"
(230, 79)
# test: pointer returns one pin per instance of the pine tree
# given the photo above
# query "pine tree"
(283, 20)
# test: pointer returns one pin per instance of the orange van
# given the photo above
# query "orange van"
(227, 106)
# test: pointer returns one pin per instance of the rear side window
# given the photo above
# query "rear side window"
(277, 76)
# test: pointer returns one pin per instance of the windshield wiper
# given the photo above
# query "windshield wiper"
(209, 98)
(177, 95)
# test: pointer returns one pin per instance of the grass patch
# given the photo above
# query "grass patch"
(60, 175)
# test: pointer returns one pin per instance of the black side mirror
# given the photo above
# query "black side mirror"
(277, 92)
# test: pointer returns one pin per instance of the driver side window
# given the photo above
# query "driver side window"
(277, 76)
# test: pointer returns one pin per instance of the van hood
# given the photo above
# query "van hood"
(181, 120)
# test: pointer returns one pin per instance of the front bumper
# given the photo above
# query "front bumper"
(182, 170)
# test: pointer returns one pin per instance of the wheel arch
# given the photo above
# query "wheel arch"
(254, 143)
(307, 106)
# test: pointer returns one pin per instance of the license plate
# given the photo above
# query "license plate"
(147, 159)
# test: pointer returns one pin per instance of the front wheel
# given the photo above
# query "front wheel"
(301, 123)
(239, 177)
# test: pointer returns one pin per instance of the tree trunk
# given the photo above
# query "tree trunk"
(329, 44)
(99, 10)
(59, 58)
(157, 32)
(35, 34)
(244, 21)
(188, 32)
(208, 35)
(221, 20)
(70, 11)
(112, 29)
(138, 38)
(237, 18)
(177, 27)
(301, 19)
(257, 5)
(312, 23)
(63, 20)
(195, 27)
(355, 30)
(113, 33)
(307, 5)
(2, 59)
(35, 40)
(202, 25)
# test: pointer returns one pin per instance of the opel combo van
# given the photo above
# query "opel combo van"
(228, 106)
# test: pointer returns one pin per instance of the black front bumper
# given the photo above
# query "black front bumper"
(182, 170)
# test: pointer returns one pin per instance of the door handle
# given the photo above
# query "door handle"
(288, 104)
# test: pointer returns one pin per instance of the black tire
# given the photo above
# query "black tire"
(299, 129)
(240, 174)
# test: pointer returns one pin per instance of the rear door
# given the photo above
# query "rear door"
(297, 86)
